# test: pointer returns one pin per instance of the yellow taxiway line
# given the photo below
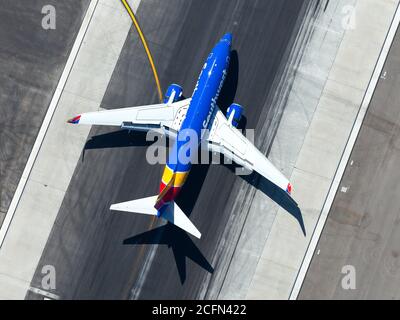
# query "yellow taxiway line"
(146, 47)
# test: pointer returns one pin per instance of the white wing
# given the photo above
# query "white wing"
(165, 117)
(226, 139)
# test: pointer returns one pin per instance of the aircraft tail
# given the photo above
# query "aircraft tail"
(171, 213)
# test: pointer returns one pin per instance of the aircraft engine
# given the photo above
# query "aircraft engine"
(173, 89)
(234, 114)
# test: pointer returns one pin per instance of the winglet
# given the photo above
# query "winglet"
(289, 189)
(74, 120)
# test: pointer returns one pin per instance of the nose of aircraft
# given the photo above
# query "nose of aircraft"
(227, 37)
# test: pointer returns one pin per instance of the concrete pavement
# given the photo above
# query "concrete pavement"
(43, 193)
(326, 95)
(362, 226)
(31, 62)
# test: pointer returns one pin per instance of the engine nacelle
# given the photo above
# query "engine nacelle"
(234, 114)
(175, 90)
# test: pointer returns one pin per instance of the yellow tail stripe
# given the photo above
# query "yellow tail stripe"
(146, 47)
(178, 178)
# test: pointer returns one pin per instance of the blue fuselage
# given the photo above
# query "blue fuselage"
(204, 99)
(198, 116)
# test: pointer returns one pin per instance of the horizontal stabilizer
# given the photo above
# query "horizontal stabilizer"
(144, 205)
(171, 213)
(176, 216)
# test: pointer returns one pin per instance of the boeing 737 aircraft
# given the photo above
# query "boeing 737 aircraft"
(199, 114)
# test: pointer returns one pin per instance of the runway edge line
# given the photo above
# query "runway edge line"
(346, 155)
(47, 120)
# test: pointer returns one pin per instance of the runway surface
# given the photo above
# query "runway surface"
(99, 254)
(362, 230)
(31, 62)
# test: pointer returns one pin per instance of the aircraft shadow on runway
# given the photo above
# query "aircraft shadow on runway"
(178, 240)
(275, 193)
(278, 195)
(229, 88)
(116, 139)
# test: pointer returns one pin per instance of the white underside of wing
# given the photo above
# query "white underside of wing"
(141, 118)
(226, 139)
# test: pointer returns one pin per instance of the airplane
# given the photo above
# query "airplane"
(199, 114)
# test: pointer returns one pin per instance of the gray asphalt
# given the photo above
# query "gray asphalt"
(362, 229)
(98, 254)
(31, 62)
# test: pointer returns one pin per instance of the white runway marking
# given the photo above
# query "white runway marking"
(47, 120)
(346, 156)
